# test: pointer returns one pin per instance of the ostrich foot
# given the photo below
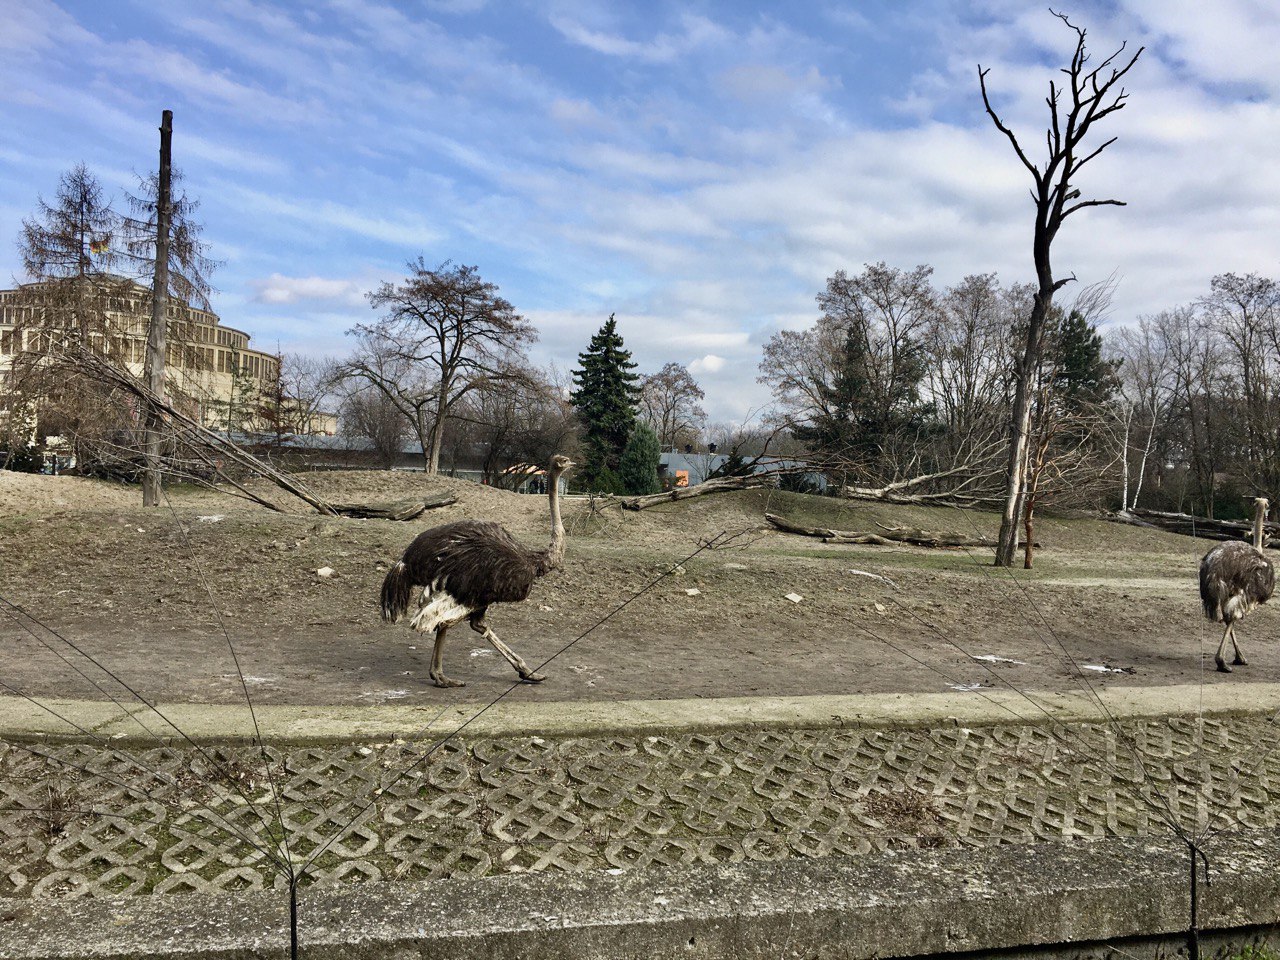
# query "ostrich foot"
(528, 676)
(1240, 661)
(441, 680)
(1222, 667)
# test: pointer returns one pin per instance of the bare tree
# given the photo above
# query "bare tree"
(519, 420)
(852, 381)
(669, 401)
(367, 413)
(446, 332)
(1090, 96)
(1244, 311)
(1146, 397)
(969, 371)
(308, 384)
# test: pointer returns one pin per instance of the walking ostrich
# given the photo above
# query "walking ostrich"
(1234, 578)
(465, 566)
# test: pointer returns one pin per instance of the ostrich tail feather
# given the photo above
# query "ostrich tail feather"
(396, 591)
(1212, 609)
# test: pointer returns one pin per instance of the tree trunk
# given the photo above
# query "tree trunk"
(1028, 532)
(154, 372)
(1124, 454)
(437, 432)
(1016, 476)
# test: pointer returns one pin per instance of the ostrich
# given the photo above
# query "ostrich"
(1234, 578)
(465, 566)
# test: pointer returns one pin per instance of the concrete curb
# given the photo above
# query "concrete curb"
(138, 725)
(1059, 898)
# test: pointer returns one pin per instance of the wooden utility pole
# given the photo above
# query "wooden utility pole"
(153, 371)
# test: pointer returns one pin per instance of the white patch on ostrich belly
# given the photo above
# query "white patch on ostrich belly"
(1236, 607)
(438, 609)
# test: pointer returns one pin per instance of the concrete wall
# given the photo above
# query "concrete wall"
(1099, 898)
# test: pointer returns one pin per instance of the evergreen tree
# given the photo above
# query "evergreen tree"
(638, 468)
(605, 397)
(1082, 376)
(843, 421)
(606, 481)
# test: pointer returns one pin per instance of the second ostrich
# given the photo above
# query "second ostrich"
(463, 568)
(1234, 578)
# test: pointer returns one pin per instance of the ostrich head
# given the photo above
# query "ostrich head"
(559, 464)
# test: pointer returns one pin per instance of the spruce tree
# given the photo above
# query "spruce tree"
(638, 469)
(605, 397)
(1083, 376)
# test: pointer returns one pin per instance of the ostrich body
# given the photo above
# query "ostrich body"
(463, 568)
(1234, 578)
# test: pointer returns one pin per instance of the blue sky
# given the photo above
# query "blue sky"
(697, 168)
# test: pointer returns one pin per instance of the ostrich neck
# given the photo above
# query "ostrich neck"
(555, 553)
(1258, 519)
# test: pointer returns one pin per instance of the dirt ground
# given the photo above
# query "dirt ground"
(156, 595)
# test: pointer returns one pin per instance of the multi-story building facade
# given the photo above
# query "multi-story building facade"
(209, 365)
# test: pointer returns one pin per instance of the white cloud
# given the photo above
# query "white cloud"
(412, 233)
(694, 32)
(278, 289)
(703, 186)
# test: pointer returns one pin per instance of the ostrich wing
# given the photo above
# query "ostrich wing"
(1235, 571)
(476, 562)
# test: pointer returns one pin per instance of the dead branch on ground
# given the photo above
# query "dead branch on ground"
(887, 536)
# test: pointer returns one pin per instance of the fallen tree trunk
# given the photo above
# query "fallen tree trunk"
(887, 535)
(401, 510)
(719, 485)
(1204, 528)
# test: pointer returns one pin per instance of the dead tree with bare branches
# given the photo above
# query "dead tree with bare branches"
(1088, 96)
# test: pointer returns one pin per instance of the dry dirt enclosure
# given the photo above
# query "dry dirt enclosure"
(150, 593)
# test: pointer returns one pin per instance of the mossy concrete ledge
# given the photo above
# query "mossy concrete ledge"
(1089, 898)
(135, 725)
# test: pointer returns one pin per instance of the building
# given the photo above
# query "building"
(210, 365)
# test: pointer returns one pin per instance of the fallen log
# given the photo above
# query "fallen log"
(886, 537)
(400, 510)
(719, 485)
(1203, 528)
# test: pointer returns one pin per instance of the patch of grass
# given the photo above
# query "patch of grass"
(59, 809)
(1256, 951)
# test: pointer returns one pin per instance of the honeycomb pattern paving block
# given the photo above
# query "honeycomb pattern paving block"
(80, 819)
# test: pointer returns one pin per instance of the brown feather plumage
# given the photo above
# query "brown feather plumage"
(477, 562)
(1235, 577)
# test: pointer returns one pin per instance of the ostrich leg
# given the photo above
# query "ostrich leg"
(1222, 648)
(437, 661)
(513, 658)
(1239, 660)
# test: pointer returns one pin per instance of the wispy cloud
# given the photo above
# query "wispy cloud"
(278, 290)
(700, 173)
(693, 32)
(410, 232)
